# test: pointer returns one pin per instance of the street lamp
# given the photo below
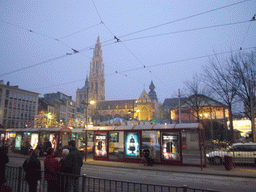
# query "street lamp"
(49, 116)
(87, 117)
(132, 111)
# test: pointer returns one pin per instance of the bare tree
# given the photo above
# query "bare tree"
(218, 76)
(192, 99)
(244, 69)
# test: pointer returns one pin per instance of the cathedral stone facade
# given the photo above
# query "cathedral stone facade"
(142, 108)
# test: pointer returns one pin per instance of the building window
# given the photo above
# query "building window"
(7, 93)
(5, 113)
(6, 103)
(10, 104)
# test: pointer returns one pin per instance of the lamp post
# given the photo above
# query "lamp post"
(87, 103)
(48, 119)
(133, 110)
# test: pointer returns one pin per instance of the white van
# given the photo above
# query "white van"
(241, 153)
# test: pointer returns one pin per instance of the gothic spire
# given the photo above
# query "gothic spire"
(152, 93)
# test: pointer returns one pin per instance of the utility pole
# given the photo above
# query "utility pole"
(86, 119)
(179, 107)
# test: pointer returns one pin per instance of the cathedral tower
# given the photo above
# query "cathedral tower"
(96, 76)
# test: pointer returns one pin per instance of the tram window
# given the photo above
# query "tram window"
(90, 136)
(114, 137)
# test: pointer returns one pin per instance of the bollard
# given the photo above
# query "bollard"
(185, 188)
(19, 179)
(83, 182)
(228, 162)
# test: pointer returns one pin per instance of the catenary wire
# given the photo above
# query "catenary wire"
(103, 45)
(125, 45)
(41, 34)
(151, 66)
(79, 31)
(143, 29)
(184, 18)
(37, 64)
(187, 30)
(245, 35)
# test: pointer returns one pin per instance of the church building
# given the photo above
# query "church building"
(143, 108)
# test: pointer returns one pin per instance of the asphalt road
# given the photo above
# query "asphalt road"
(223, 183)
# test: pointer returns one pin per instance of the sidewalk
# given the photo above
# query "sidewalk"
(239, 171)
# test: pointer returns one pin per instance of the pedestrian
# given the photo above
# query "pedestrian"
(39, 147)
(32, 167)
(4, 161)
(47, 144)
(63, 177)
(146, 154)
(51, 167)
(27, 147)
(74, 162)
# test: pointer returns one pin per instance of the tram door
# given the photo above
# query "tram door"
(62, 138)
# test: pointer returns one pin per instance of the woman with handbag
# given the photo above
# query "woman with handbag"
(32, 167)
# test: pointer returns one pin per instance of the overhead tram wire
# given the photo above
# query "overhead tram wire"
(61, 84)
(103, 45)
(31, 66)
(184, 18)
(245, 36)
(118, 40)
(151, 66)
(87, 48)
(41, 34)
(78, 31)
(187, 30)
(116, 72)
(82, 50)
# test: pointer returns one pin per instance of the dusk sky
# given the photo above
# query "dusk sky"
(166, 41)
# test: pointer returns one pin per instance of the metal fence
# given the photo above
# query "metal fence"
(16, 180)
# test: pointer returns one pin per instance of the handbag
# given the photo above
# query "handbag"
(5, 188)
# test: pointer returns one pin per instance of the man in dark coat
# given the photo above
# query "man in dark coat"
(47, 145)
(4, 161)
(73, 163)
(32, 167)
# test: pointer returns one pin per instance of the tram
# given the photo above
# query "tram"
(20, 140)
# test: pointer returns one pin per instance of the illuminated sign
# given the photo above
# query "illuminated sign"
(169, 137)
(100, 144)
(18, 142)
(132, 147)
(100, 137)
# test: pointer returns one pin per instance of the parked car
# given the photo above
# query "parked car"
(241, 153)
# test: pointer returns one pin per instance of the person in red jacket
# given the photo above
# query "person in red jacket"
(51, 167)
